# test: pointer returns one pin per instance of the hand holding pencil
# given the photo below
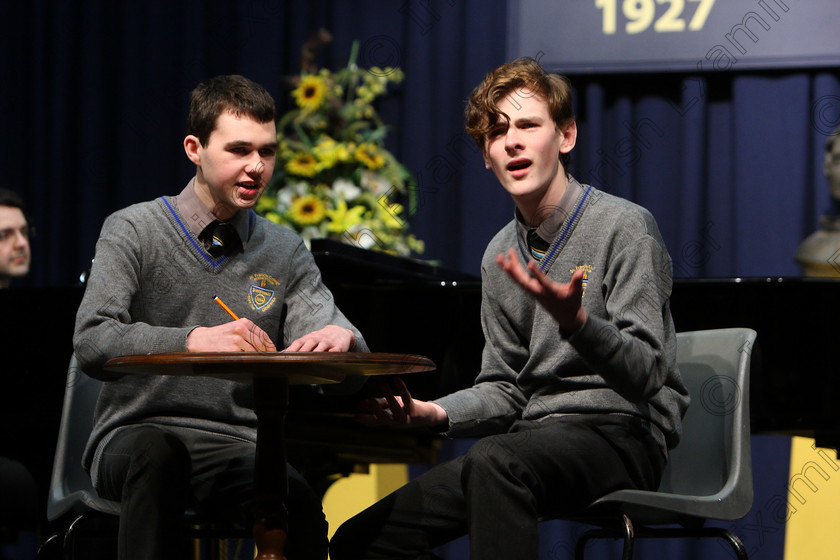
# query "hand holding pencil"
(331, 338)
(239, 335)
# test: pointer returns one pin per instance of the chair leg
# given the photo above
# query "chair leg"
(50, 548)
(734, 542)
(627, 534)
(69, 538)
(629, 539)
(698, 533)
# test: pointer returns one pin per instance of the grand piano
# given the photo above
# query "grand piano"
(794, 389)
(402, 305)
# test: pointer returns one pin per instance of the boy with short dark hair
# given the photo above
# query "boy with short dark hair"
(15, 253)
(579, 392)
(162, 443)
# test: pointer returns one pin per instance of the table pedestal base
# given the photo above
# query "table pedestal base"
(270, 540)
(271, 399)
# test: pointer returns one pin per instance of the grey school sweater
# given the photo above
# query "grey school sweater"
(621, 361)
(152, 283)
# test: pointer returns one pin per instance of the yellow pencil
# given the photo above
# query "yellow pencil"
(225, 307)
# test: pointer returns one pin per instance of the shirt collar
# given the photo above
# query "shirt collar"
(550, 226)
(197, 216)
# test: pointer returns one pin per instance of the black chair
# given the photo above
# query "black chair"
(73, 503)
(709, 474)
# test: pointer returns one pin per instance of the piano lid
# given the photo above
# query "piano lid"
(794, 383)
(347, 264)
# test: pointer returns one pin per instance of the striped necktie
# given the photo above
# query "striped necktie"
(537, 245)
(221, 239)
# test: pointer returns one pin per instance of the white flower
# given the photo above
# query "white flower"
(345, 189)
(362, 236)
(375, 182)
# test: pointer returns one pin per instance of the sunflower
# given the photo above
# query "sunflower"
(328, 152)
(307, 210)
(310, 93)
(332, 168)
(302, 164)
(369, 155)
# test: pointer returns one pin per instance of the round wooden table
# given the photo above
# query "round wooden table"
(271, 373)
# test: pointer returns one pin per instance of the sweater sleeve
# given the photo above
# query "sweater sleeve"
(311, 305)
(104, 325)
(628, 347)
(495, 401)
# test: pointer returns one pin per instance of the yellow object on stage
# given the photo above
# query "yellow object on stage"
(350, 495)
(813, 515)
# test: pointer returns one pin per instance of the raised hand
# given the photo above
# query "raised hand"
(562, 301)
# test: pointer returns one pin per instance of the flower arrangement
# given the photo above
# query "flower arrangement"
(333, 177)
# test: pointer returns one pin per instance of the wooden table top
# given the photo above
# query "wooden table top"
(299, 368)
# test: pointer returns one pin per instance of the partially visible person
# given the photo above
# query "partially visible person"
(817, 254)
(18, 493)
(14, 238)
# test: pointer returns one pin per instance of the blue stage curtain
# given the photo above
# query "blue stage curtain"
(94, 109)
(730, 165)
(94, 98)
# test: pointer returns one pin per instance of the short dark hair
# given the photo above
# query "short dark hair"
(482, 111)
(11, 198)
(14, 200)
(233, 93)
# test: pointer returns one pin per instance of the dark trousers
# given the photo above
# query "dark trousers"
(156, 472)
(498, 490)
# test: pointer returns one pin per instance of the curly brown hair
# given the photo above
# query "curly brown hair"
(482, 112)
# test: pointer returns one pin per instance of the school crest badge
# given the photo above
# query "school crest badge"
(261, 294)
(587, 270)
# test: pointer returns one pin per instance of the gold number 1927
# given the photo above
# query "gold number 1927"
(640, 14)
